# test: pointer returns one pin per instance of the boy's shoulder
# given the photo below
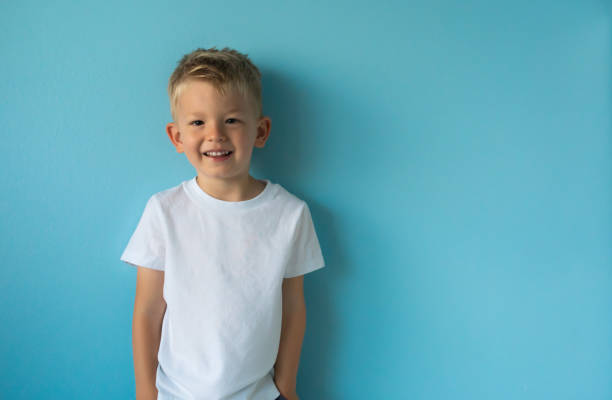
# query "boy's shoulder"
(285, 196)
(173, 196)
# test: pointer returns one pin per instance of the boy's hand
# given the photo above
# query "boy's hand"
(287, 390)
(291, 396)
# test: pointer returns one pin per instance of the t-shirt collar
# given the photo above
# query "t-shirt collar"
(205, 199)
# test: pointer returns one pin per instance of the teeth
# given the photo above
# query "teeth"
(215, 153)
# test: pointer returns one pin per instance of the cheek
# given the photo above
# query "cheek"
(191, 141)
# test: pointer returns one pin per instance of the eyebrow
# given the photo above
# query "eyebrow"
(199, 114)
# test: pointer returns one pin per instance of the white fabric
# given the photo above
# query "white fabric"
(224, 263)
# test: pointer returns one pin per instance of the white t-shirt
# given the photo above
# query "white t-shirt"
(224, 264)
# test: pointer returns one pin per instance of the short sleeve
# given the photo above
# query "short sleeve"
(146, 246)
(305, 250)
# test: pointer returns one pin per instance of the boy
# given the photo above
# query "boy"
(219, 311)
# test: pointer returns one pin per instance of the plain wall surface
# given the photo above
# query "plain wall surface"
(456, 157)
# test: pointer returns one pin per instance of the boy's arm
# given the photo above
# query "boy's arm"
(149, 309)
(292, 334)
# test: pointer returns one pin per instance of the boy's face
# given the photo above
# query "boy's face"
(206, 121)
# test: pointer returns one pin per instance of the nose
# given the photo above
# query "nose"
(215, 132)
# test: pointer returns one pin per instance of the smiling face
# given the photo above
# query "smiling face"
(207, 120)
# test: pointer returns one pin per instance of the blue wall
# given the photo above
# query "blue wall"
(457, 158)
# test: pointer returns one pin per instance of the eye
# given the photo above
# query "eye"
(197, 122)
(231, 120)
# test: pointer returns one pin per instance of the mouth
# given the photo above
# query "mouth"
(218, 156)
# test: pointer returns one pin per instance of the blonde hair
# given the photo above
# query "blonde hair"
(226, 68)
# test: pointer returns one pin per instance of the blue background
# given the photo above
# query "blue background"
(456, 156)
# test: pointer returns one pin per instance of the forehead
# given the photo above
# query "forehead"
(202, 96)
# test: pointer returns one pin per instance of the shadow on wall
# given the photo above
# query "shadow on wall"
(285, 159)
(285, 155)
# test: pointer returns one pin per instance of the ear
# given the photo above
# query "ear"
(263, 131)
(175, 136)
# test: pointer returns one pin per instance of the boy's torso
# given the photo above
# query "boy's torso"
(224, 269)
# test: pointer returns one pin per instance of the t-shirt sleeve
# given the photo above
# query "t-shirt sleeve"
(306, 253)
(146, 246)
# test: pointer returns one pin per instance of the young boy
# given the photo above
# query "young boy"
(219, 312)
